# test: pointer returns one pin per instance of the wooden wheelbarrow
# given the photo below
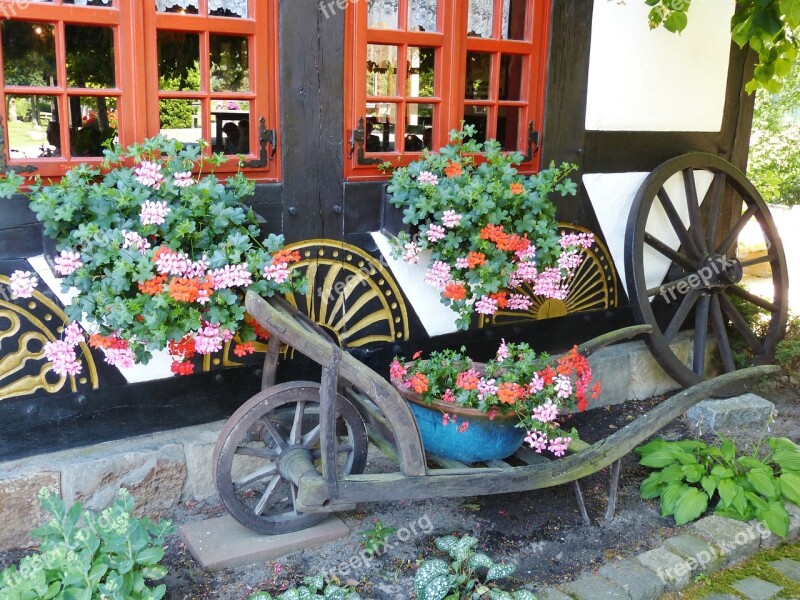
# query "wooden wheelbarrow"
(296, 451)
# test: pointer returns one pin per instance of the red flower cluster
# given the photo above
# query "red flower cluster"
(181, 352)
(453, 169)
(455, 291)
(507, 242)
(107, 342)
(185, 289)
(261, 332)
(575, 362)
(153, 286)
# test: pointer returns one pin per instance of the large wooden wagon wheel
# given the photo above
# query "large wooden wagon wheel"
(683, 272)
(275, 428)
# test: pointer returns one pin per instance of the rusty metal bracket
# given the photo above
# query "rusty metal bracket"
(4, 167)
(357, 138)
(266, 137)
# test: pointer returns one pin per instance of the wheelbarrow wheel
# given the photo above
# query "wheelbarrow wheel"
(272, 425)
(683, 269)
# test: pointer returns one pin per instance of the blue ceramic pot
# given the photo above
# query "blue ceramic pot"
(483, 440)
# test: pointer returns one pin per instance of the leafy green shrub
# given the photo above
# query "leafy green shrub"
(691, 474)
(84, 556)
(376, 537)
(787, 353)
(438, 580)
(313, 587)
(175, 114)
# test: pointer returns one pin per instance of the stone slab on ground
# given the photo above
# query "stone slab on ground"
(757, 589)
(672, 570)
(746, 411)
(721, 597)
(19, 500)
(697, 552)
(549, 593)
(787, 566)
(592, 587)
(794, 522)
(734, 539)
(634, 578)
(223, 542)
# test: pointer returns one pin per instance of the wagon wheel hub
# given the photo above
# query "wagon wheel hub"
(719, 272)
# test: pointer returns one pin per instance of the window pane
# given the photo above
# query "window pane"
(383, 14)
(514, 19)
(422, 15)
(32, 126)
(230, 126)
(181, 120)
(381, 70)
(419, 126)
(29, 53)
(230, 67)
(420, 72)
(479, 117)
(480, 18)
(511, 77)
(90, 56)
(178, 61)
(93, 120)
(89, 2)
(508, 122)
(479, 68)
(228, 8)
(380, 127)
(189, 7)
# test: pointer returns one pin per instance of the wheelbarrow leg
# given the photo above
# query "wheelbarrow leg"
(581, 504)
(612, 492)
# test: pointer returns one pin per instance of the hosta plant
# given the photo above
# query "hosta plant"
(489, 229)
(160, 251)
(83, 556)
(313, 587)
(691, 475)
(466, 576)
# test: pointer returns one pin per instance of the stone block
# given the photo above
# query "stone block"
(592, 587)
(20, 511)
(768, 539)
(224, 543)
(746, 411)
(698, 553)
(647, 378)
(757, 589)
(153, 476)
(611, 368)
(199, 484)
(735, 540)
(794, 522)
(672, 570)
(787, 566)
(549, 593)
(721, 597)
(635, 579)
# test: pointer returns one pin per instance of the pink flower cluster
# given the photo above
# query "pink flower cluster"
(438, 274)
(210, 338)
(581, 240)
(451, 218)
(397, 370)
(486, 388)
(502, 351)
(538, 441)
(435, 233)
(411, 253)
(134, 240)
(231, 276)
(149, 174)
(486, 306)
(519, 302)
(169, 262)
(183, 179)
(22, 283)
(563, 386)
(153, 213)
(279, 272)
(61, 353)
(550, 284)
(68, 262)
(546, 413)
(569, 261)
(122, 357)
(427, 178)
(462, 262)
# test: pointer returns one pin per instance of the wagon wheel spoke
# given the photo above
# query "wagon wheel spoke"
(262, 503)
(758, 260)
(693, 204)
(296, 435)
(715, 208)
(733, 234)
(664, 288)
(257, 475)
(740, 324)
(257, 452)
(723, 343)
(668, 252)
(277, 438)
(700, 334)
(294, 510)
(677, 224)
(753, 299)
(683, 311)
(312, 437)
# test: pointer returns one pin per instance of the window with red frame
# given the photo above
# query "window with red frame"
(421, 67)
(78, 72)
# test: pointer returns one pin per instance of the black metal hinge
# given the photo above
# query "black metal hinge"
(357, 140)
(533, 143)
(266, 137)
(4, 168)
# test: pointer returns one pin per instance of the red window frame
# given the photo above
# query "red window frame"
(452, 46)
(135, 24)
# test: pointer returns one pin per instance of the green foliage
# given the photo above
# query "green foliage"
(691, 474)
(375, 537)
(112, 556)
(767, 26)
(787, 352)
(175, 114)
(500, 211)
(313, 587)
(467, 575)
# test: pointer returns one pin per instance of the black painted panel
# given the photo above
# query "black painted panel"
(21, 242)
(362, 206)
(14, 212)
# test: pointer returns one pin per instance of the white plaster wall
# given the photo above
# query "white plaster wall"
(643, 80)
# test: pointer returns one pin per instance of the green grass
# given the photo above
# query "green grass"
(21, 134)
(757, 566)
